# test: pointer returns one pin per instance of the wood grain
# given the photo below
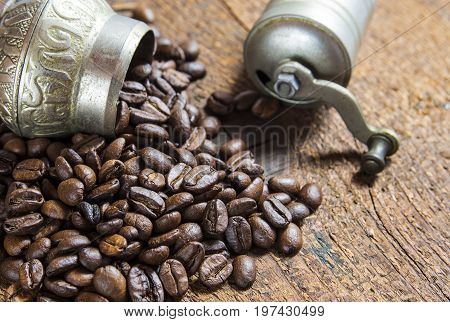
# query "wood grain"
(385, 239)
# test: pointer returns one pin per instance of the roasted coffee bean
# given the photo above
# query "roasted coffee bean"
(48, 189)
(167, 222)
(49, 227)
(117, 209)
(208, 159)
(55, 209)
(249, 167)
(235, 161)
(246, 99)
(80, 222)
(177, 101)
(123, 117)
(24, 201)
(133, 93)
(263, 235)
(80, 277)
(16, 245)
(63, 234)
(244, 271)
(113, 245)
(200, 179)
(91, 212)
(61, 265)
(71, 191)
(239, 235)
(194, 213)
(191, 256)
(63, 169)
(241, 207)
(30, 170)
(143, 225)
(215, 221)
(152, 180)
(164, 47)
(36, 148)
(104, 192)
(85, 296)
(290, 240)
(38, 249)
(114, 150)
(195, 70)
(154, 256)
(299, 211)
(232, 147)
(179, 201)
(188, 232)
(90, 143)
(86, 175)
(276, 213)
(156, 111)
(146, 202)
(284, 198)
(144, 285)
(195, 140)
(221, 103)
(129, 232)
(152, 131)
(174, 278)
(109, 227)
(254, 190)
(111, 169)
(23, 225)
(239, 180)
(134, 166)
(180, 124)
(9, 269)
(265, 107)
(54, 150)
(286, 184)
(17, 146)
(126, 182)
(141, 71)
(178, 80)
(215, 270)
(90, 258)
(227, 195)
(131, 251)
(156, 160)
(209, 195)
(60, 287)
(93, 161)
(212, 125)
(165, 86)
(215, 246)
(109, 282)
(186, 157)
(176, 176)
(71, 156)
(31, 275)
(191, 49)
(311, 195)
(8, 161)
(210, 147)
(194, 114)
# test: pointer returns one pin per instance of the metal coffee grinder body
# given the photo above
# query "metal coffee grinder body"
(302, 52)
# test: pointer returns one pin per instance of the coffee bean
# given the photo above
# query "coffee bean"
(91, 212)
(174, 278)
(9, 269)
(249, 167)
(180, 124)
(143, 225)
(215, 247)
(191, 49)
(246, 99)
(200, 179)
(71, 191)
(111, 169)
(276, 213)
(109, 282)
(156, 111)
(38, 249)
(290, 240)
(114, 150)
(29, 170)
(129, 232)
(221, 103)
(113, 245)
(36, 148)
(63, 169)
(156, 160)
(188, 232)
(179, 201)
(239, 180)
(215, 221)
(227, 195)
(311, 195)
(86, 175)
(31, 275)
(131, 251)
(286, 184)
(103, 192)
(16, 245)
(91, 143)
(72, 243)
(254, 190)
(141, 71)
(208, 159)
(133, 93)
(241, 207)
(8, 161)
(152, 131)
(194, 213)
(85, 296)
(24, 201)
(54, 150)
(167, 222)
(144, 288)
(109, 227)
(154, 256)
(191, 256)
(212, 126)
(195, 70)
(232, 147)
(215, 270)
(195, 140)
(244, 271)
(61, 265)
(117, 209)
(93, 161)
(60, 287)
(80, 277)
(90, 258)
(299, 211)
(282, 197)
(176, 176)
(265, 108)
(17, 146)
(263, 235)
(146, 202)
(152, 180)
(186, 157)
(178, 80)
(239, 235)
(23, 225)
(49, 227)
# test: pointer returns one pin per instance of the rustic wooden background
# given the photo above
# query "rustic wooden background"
(372, 240)
(385, 239)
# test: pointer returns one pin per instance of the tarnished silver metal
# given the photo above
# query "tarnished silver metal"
(62, 65)
(302, 52)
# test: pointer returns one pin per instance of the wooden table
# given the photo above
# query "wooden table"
(385, 239)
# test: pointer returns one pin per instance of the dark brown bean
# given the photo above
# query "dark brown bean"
(215, 270)
(241, 207)
(244, 271)
(167, 222)
(71, 191)
(246, 99)
(146, 202)
(221, 103)
(29, 170)
(215, 220)
(191, 256)
(200, 179)
(31, 275)
(263, 235)
(154, 256)
(16, 245)
(109, 282)
(239, 235)
(311, 195)
(286, 184)
(174, 278)
(276, 213)
(113, 245)
(143, 225)
(90, 258)
(60, 287)
(290, 240)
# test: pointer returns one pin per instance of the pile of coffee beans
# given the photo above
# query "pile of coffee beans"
(142, 216)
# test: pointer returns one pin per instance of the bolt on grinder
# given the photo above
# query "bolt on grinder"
(302, 52)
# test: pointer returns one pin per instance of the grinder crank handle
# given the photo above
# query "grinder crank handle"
(381, 142)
